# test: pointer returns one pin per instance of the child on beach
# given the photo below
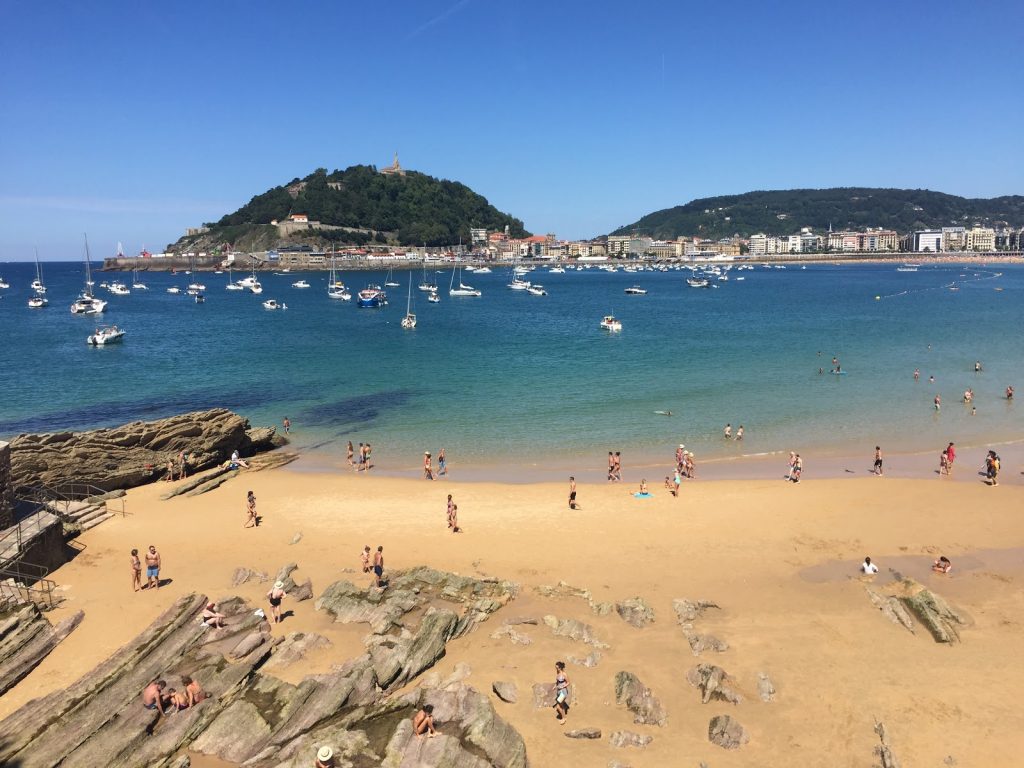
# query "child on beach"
(572, 493)
(668, 485)
(878, 460)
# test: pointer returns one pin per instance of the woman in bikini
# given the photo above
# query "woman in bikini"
(275, 596)
(350, 452)
(561, 692)
(250, 502)
(136, 570)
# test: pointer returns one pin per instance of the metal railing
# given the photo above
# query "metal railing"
(22, 582)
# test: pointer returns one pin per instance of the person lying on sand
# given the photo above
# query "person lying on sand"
(423, 722)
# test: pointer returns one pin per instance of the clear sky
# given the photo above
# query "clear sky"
(132, 120)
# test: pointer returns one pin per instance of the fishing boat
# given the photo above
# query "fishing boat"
(536, 290)
(174, 289)
(108, 334)
(463, 289)
(610, 323)
(697, 282)
(87, 304)
(371, 297)
(433, 298)
(137, 285)
(409, 321)
(300, 284)
(636, 290)
(272, 304)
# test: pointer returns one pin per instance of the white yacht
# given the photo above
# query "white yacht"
(536, 290)
(88, 305)
(118, 288)
(433, 298)
(136, 283)
(409, 321)
(300, 284)
(108, 334)
(636, 290)
(610, 323)
(4, 283)
(518, 284)
(463, 289)
(556, 271)
(37, 302)
(255, 287)
(697, 282)
(272, 304)
(483, 270)
(174, 289)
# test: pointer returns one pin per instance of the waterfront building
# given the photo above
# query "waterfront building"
(954, 239)
(927, 240)
(980, 239)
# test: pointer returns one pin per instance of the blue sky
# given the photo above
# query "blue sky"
(131, 121)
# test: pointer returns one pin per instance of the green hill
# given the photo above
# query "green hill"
(360, 204)
(784, 212)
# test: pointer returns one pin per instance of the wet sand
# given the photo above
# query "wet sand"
(778, 558)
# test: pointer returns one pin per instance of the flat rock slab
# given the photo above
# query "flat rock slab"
(629, 739)
(584, 733)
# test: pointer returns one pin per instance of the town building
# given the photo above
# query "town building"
(927, 241)
(980, 239)
(394, 169)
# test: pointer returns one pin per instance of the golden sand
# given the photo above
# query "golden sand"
(779, 559)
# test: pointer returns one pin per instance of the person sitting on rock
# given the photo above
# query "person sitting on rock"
(942, 565)
(175, 701)
(152, 696)
(194, 691)
(423, 721)
(324, 758)
(211, 617)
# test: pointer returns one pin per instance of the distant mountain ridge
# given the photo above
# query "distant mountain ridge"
(357, 205)
(784, 212)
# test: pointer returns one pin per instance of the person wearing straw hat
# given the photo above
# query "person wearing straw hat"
(275, 596)
(324, 758)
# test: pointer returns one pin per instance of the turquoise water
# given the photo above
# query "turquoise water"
(524, 380)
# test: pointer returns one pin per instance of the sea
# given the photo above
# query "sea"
(515, 384)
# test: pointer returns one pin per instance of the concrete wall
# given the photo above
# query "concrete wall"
(6, 497)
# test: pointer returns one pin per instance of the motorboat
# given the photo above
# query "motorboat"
(371, 297)
(247, 282)
(907, 268)
(255, 287)
(556, 271)
(193, 291)
(118, 289)
(4, 283)
(697, 282)
(88, 305)
(108, 334)
(272, 304)
(537, 290)
(518, 284)
(433, 298)
(300, 284)
(197, 287)
(610, 323)
(37, 286)
(174, 289)
(636, 290)
(38, 301)
(200, 298)
(236, 286)
(483, 270)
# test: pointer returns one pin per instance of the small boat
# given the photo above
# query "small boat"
(556, 271)
(518, 284)
(108, 334)
(271, 304)
(118, 288)
(697, 282)
(197, 286)
(609, 323)
(483, 270)
(88, 305)
(433, 298)
(255, 287)
(409, 321)
(389, 281)
(237, 286)
(636, 290)
(174, 289)
(200, 298)
(4, 283)
(39, 301)
(136, 284)
(427, 285)
(300, 284)
(537, 290)
(463, 289)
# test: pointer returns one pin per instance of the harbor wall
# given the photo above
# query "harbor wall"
(6, 494)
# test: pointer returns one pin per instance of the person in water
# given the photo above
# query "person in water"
(868, 568)
(942, 565)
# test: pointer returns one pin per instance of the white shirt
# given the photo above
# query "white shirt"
(868, 567)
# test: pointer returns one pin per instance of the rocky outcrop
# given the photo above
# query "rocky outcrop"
(727, 733)
(892, 609)
(937, 616)
(136, 453)
(883, 751)
(517, 638)
(294, 647)
(629, 739)
(714, 684)
(635, 612)
(507, 692)
(687, 612)
(574, 630)
(26, 638)
(638, 699)
(765, 688)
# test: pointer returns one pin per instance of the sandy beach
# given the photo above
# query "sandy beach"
(779, 559)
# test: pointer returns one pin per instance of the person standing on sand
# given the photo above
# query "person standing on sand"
(136, 565)
(618, 467)
(611, 467)
(691, 468)
(878, 460)
(798, 468)
(153, 568)
(378, 566)
(442, 463)
(572, 493)
(453, 519)
(428, 473)
(369, 450)
(250, 503)
(792, 463)
(677, 480)
(950, 458)
(448, 513)
(287, 424)
(680, 455)
(169, 477)
(274, 597)
(350, 452)
(561, 692)
(362, 458)
(727, 432)
(182, 465)
(364, 558)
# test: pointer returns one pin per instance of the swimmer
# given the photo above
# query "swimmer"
(867, 567)
(917, 374)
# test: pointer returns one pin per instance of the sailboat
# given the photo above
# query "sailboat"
(389, 281)
(87, 304)
(409, 321)
(429, 286)
(463, 289)
(135, 281)
(336, 289)
(232, 285)
(39, 300)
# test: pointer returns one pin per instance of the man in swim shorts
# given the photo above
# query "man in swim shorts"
(153, 567)
(378, 566)
(152, 696)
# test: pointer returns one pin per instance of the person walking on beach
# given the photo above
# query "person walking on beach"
(448, 513)
(453, 518)
(992, 466)
(369, 450)
(677, 480)
(950, 458)
(691, 468)
(349, 453)
(136, 566)
(362, 458)
(287, 424)
(561, 692)
(442, 463)
(428, 473)
(153, 568)
(792, 464)
(739, 433)
(572, 493)
(618, 467)
(182, 465)
(727, 432)
(611, 467)
(274, 597)
(680, 455)
(378, 567)
(878, 460)
(252, 520)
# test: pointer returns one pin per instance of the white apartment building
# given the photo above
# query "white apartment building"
(981, 239)
(618, 245)
(928, 240)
